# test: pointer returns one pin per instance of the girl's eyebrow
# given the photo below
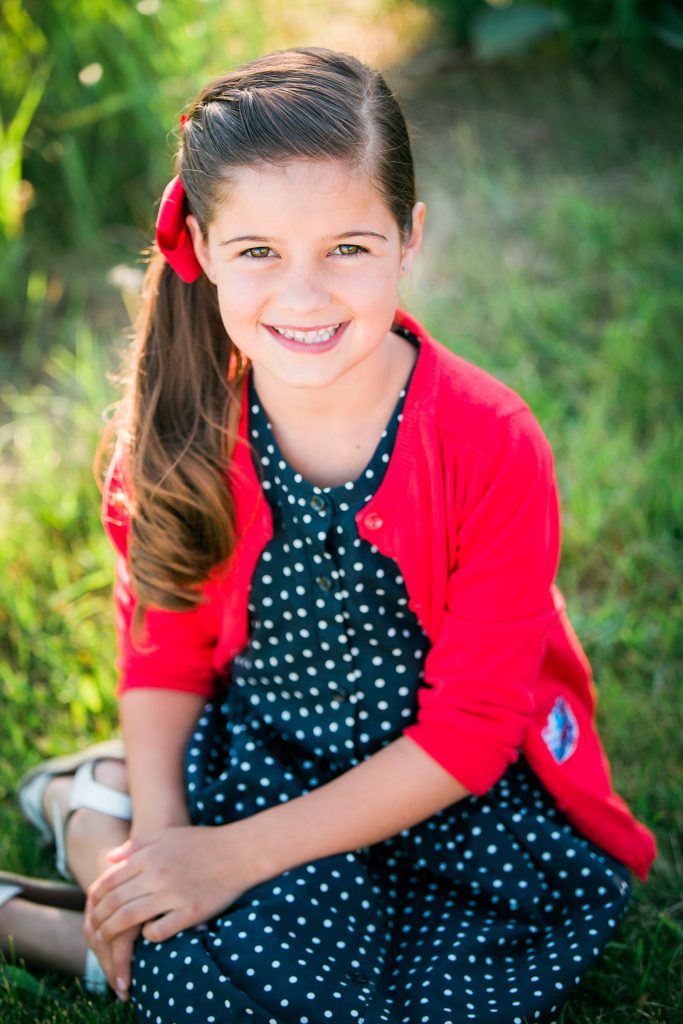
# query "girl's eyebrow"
(343, 234)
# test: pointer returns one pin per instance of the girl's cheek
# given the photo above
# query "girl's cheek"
(373, 286)
(240, 293)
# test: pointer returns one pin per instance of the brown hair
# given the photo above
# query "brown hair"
(178, 421)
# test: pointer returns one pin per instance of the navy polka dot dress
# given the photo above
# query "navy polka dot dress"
(490, 911)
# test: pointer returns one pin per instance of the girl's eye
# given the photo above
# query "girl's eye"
(257, 252)
(349, 249)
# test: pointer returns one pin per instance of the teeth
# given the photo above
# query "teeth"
(309, 337)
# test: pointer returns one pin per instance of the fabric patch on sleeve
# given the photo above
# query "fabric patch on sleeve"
(561, 731)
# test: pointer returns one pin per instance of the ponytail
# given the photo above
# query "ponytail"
(177, 427)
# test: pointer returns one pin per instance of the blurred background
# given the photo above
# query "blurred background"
(547, 137)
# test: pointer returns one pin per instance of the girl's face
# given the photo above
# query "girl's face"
(306, 259)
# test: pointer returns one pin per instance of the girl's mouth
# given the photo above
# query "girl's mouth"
(319, 339)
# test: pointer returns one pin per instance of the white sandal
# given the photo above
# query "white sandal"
(86, 792)
(94, 978)
(36, 891)
(8, 892)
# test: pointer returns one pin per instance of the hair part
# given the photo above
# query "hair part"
(178, 421)
(306, 103)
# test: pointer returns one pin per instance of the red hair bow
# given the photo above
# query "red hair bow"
(172, 236)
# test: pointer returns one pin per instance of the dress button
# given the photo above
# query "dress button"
(373, 521)
(325, 583)
(317, 503)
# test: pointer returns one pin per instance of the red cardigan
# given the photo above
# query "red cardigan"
(468, 509)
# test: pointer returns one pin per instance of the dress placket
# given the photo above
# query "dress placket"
(351, 644)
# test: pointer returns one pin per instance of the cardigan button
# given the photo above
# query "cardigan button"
(373, 521)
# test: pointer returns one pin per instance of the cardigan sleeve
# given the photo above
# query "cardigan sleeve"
(477, 699)
(175, 650)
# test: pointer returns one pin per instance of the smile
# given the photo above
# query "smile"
(312, 340)
(308, 336)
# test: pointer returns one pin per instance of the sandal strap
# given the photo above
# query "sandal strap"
(86, 792)
(59, 836)
(31, 795)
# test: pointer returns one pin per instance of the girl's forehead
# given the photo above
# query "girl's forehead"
(333, 189)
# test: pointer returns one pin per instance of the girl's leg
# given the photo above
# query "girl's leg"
(46, 937)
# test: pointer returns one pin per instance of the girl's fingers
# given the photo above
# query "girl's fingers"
(121, 957)
(165, 927)
(102, 951)
(120, 853)
(112, 901)
(114, 876)
(115, 959)
(133, 913)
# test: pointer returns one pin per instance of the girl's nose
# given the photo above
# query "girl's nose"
(304, 288)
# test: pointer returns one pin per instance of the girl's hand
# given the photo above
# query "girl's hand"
(115, 959)
(172, 880)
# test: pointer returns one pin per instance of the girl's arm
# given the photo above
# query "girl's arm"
(157, 725)
(394, 789)
(183, 876)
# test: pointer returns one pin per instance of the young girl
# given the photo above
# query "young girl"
(394, 807)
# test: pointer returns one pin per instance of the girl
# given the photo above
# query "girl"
(394, 807)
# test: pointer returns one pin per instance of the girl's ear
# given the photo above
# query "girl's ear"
(200, 247)
(411, 248)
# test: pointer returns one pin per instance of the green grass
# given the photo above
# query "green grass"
(553, 260)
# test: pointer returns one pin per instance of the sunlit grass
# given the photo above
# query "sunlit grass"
(56, 642)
